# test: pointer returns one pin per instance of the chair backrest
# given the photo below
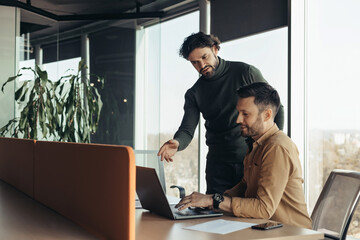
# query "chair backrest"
(336, 204)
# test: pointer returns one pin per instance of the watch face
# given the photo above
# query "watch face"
(217, 197)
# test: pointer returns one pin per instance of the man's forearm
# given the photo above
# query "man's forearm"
(226, 204)
(183, 138)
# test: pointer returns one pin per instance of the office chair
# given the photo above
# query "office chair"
(336, 204)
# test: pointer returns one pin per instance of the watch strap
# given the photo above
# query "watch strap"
(217, 199)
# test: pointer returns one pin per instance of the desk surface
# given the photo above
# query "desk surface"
(24, 218)
(152, 226)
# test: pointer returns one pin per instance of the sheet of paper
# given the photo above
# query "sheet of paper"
(220, 226)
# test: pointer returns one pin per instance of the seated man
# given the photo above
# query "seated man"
(272, 184)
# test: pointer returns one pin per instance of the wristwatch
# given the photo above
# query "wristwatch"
(217, 199)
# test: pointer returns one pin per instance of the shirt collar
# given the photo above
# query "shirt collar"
(271, 131)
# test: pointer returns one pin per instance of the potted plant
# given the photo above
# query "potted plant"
(65, 110)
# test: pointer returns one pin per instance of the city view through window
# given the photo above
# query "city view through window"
(333, 121)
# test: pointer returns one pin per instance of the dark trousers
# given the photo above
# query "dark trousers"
(222, 176)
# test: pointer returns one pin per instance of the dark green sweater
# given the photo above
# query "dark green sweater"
(216, 99)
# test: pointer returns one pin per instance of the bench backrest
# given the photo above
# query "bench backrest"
(17, 163)
(91, 184)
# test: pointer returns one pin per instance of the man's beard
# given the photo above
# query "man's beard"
(255, 129)
(209, 74)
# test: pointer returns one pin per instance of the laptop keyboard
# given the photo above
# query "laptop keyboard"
(189, 212)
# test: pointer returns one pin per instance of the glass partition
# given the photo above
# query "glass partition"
(112, 56)
(107, 47)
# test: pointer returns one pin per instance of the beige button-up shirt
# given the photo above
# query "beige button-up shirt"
(272, 184)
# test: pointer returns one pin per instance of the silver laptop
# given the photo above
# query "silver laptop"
(152, 197)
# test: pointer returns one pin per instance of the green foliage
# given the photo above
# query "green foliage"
(66, 110)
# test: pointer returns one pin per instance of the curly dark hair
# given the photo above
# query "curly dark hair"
(198, 40)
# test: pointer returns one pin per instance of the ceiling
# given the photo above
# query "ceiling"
(75, 7)
(42, 18)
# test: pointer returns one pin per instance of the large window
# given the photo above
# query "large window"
(333, 117)
(267, 52)
(167, 77)
(177, 75)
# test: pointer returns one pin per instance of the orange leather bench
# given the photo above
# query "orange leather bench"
(91, 184)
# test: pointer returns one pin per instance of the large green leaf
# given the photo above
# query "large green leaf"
(22, 123)
(22, 99)
(69, 108)
(59, 107)
(10, 79)
(5, 129)
(72, 80)
(44, 130)
(61, 89)
(42, 75)
(32, 96)
(18, 93)
(78, 117)
(37, 83)
(41, 115)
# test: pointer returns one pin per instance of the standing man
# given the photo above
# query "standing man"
(214, 96)
(272, 184)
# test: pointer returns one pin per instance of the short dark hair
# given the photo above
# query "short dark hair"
(198, 40)
(265, 96)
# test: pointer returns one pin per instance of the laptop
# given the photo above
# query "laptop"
(152, 197)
